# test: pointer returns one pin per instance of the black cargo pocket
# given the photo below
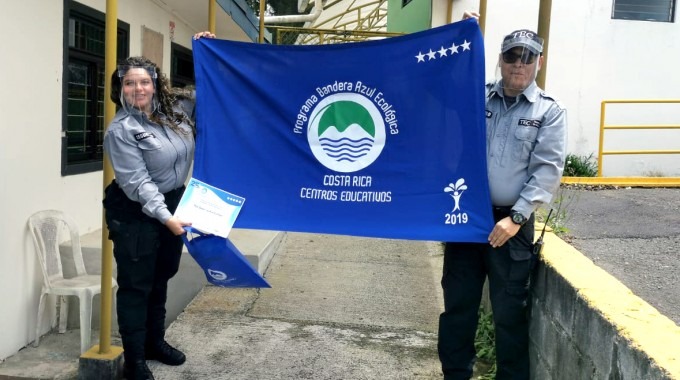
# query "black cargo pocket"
(133, 241)
(519, 271)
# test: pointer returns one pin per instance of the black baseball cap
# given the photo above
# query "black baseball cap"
(523, 38)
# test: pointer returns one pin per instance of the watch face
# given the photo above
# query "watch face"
(518, 218)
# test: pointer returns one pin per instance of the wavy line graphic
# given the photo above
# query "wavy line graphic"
(366, 139)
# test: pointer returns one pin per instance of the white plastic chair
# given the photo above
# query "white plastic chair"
(47, 227)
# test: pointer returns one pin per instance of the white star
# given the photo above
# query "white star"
(421, 57)
(466, 45)
(442, 52)
(454, 48)
(431, 55)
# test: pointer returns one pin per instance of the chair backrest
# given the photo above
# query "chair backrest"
(47, 229)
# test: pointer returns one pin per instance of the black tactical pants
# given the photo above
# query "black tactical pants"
(147, 257)
(466, 265)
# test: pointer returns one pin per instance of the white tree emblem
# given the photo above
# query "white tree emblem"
(456, 191)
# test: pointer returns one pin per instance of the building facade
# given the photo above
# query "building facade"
(52, 64)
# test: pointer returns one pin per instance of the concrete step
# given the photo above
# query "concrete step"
(258, 246)
(57, 355)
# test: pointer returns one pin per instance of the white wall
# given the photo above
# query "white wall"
(31, 72)
(594, 58)
(30, 152)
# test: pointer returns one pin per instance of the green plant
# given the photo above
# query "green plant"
(580, 166)
(559, 217)
(485, 344)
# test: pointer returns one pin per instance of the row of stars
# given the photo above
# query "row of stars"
(443, 51)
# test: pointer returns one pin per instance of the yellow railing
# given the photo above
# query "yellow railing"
(286, 35)
(602, 152)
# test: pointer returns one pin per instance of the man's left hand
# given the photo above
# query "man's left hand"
(502, 232)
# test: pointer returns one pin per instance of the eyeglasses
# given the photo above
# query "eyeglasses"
(526, 57)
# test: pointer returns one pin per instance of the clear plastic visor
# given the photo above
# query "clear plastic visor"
(138, 88)
(517, 69)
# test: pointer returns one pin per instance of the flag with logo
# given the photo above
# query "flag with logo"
(381, 138)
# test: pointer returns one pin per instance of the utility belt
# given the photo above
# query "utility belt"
(500, 212)
(122, 208)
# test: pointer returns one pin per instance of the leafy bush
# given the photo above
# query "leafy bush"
(580, 166)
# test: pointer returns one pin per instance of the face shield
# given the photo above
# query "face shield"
(138, 88)
(519, 61)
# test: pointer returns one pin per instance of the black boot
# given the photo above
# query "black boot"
(137, 370)
(164, 353)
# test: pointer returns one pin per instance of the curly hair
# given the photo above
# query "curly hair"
(166, 99)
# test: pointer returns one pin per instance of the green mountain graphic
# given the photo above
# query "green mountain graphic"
(342, 114)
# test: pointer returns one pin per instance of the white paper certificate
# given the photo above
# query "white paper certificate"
(209, 209)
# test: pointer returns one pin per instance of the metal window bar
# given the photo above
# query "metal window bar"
(603, 127)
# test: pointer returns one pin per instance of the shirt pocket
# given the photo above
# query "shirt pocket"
(523, 141)
(152, 152)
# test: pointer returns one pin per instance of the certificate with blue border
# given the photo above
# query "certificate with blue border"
(209, 209)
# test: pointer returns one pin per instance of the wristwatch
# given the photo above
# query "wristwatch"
(517, 217)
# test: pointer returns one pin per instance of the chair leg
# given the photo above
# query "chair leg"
(85, 321)
(41, 308)
(63, 313)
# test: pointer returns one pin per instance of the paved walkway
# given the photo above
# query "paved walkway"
(357, 308)
(339, 308)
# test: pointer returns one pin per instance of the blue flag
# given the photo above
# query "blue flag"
(380, 138)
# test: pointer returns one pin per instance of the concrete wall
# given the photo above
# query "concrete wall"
(587, 325)
(594, 58)
(31, 72)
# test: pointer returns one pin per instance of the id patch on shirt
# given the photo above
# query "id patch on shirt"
(143, 135)
(530, 123)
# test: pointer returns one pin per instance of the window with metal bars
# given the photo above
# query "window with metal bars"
(181, 66)
(644, 10)
(83, 93)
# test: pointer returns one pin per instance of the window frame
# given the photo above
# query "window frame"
(177, 50)
(630, 16)
(73, 55)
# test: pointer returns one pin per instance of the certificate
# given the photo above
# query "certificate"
(209, 209)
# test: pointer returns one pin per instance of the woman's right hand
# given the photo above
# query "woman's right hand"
(176, 226)
(470, 14)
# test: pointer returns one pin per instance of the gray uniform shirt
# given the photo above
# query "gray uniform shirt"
(148, 159)
(526, 147)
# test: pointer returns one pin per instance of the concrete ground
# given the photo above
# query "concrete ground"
(356, 308)
(339, 308)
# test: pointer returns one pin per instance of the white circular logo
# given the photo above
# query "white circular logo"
(346, 132)
(217, 275)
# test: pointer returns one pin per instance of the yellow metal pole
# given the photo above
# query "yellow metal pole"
(449, 10)
(601, 144)
(482, 15)
(260, 36)
(211, 16)
(544, 13)
(109, 111)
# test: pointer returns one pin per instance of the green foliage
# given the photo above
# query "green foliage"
(485, 344)
(559, 216)
(580, 166)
